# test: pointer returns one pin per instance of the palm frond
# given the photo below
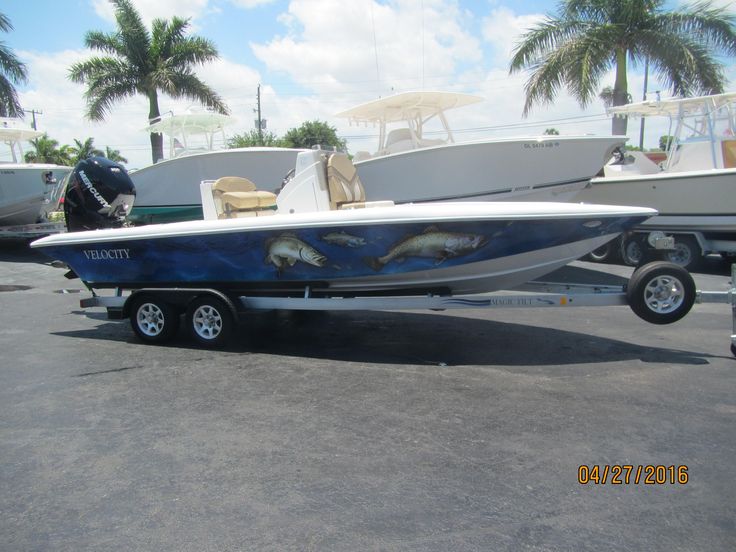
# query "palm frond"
(713, 27)
(9, 102)
(108, 43)
(101, 100)
(188, 85)
(133, 33)
(538, 41)
(5, 24)
(11, 66)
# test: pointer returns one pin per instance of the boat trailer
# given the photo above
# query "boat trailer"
(658, 292)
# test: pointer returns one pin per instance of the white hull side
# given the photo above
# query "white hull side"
(697, 200)
(175, 182)
(553, 168)
(23, 191)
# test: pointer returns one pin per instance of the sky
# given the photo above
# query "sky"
(313, 59)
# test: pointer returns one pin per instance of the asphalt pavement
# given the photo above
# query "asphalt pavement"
(419, 431)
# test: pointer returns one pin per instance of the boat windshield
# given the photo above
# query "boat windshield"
(704, 130)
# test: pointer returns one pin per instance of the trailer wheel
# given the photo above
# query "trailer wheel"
(152, 319)
(210, 321)
(632, 251)
(733, 349)
(661, 292)
(601, 254)
(687, 252)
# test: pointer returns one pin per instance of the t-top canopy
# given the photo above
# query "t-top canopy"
(674, 107)
(190, 123)
(407, 105)
(13, 130)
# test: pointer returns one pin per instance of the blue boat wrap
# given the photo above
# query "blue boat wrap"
(257, 256)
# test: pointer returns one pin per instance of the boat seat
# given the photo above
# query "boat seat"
(729, 153)
(237, 197)
(345, 188)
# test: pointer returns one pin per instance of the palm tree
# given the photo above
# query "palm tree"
(143, 62)
(114, 155)
(12, 71)
(82, 150)
(587, 38)
(47, 150)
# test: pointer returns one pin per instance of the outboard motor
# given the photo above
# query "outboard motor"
(99, 194)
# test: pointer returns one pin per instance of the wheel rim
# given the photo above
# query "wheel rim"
(207, 322)
(664, 294)
(633, 252)
(150, 319)
(682, 255)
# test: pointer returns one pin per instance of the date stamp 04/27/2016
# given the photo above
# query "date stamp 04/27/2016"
(628, 474)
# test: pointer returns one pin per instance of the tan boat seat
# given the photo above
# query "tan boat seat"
(237, 197)
(729, 153)
(345, 188)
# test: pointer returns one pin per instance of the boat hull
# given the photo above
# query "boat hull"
(458, 248)
(550, 168)
(689, 201)
(26, 191)
(169, 190)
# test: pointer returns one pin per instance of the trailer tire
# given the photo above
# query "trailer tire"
(153, 320)
(632, 250)
(210, 321)
(601, 254)
(687, 252)
(661, 292)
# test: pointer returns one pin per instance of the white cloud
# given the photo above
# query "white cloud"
(503, 29)
(161, 9)
(339, 46)
(249, 4)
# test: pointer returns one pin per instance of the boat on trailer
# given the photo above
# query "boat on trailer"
(692, 188)
(319, 239)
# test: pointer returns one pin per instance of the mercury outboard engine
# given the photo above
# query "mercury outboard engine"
(99, 194)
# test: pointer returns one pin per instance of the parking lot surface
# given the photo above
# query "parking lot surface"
(437, 431)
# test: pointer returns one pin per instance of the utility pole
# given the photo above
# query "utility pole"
(260, 121)
(33, 112)
(646, 79)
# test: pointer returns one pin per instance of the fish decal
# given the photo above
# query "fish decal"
(287, 249)
(343, 239)
(431, 243)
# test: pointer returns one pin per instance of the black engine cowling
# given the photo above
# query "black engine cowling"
(99, 194)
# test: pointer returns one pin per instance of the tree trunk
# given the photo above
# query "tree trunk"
(620, 93)
(157, 139)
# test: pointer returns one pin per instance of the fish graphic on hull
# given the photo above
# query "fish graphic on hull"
(343, 239)
(287, 249)
(431, 243)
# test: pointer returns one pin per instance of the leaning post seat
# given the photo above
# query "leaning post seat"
(236, 196)
(345, 188)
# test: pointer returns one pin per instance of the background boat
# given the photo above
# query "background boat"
(28, 191)
(414, 164)
(694, 188)
(168, 191)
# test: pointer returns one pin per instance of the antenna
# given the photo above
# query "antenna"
(375, 45)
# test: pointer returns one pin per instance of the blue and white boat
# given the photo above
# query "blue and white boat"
(320, 234)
